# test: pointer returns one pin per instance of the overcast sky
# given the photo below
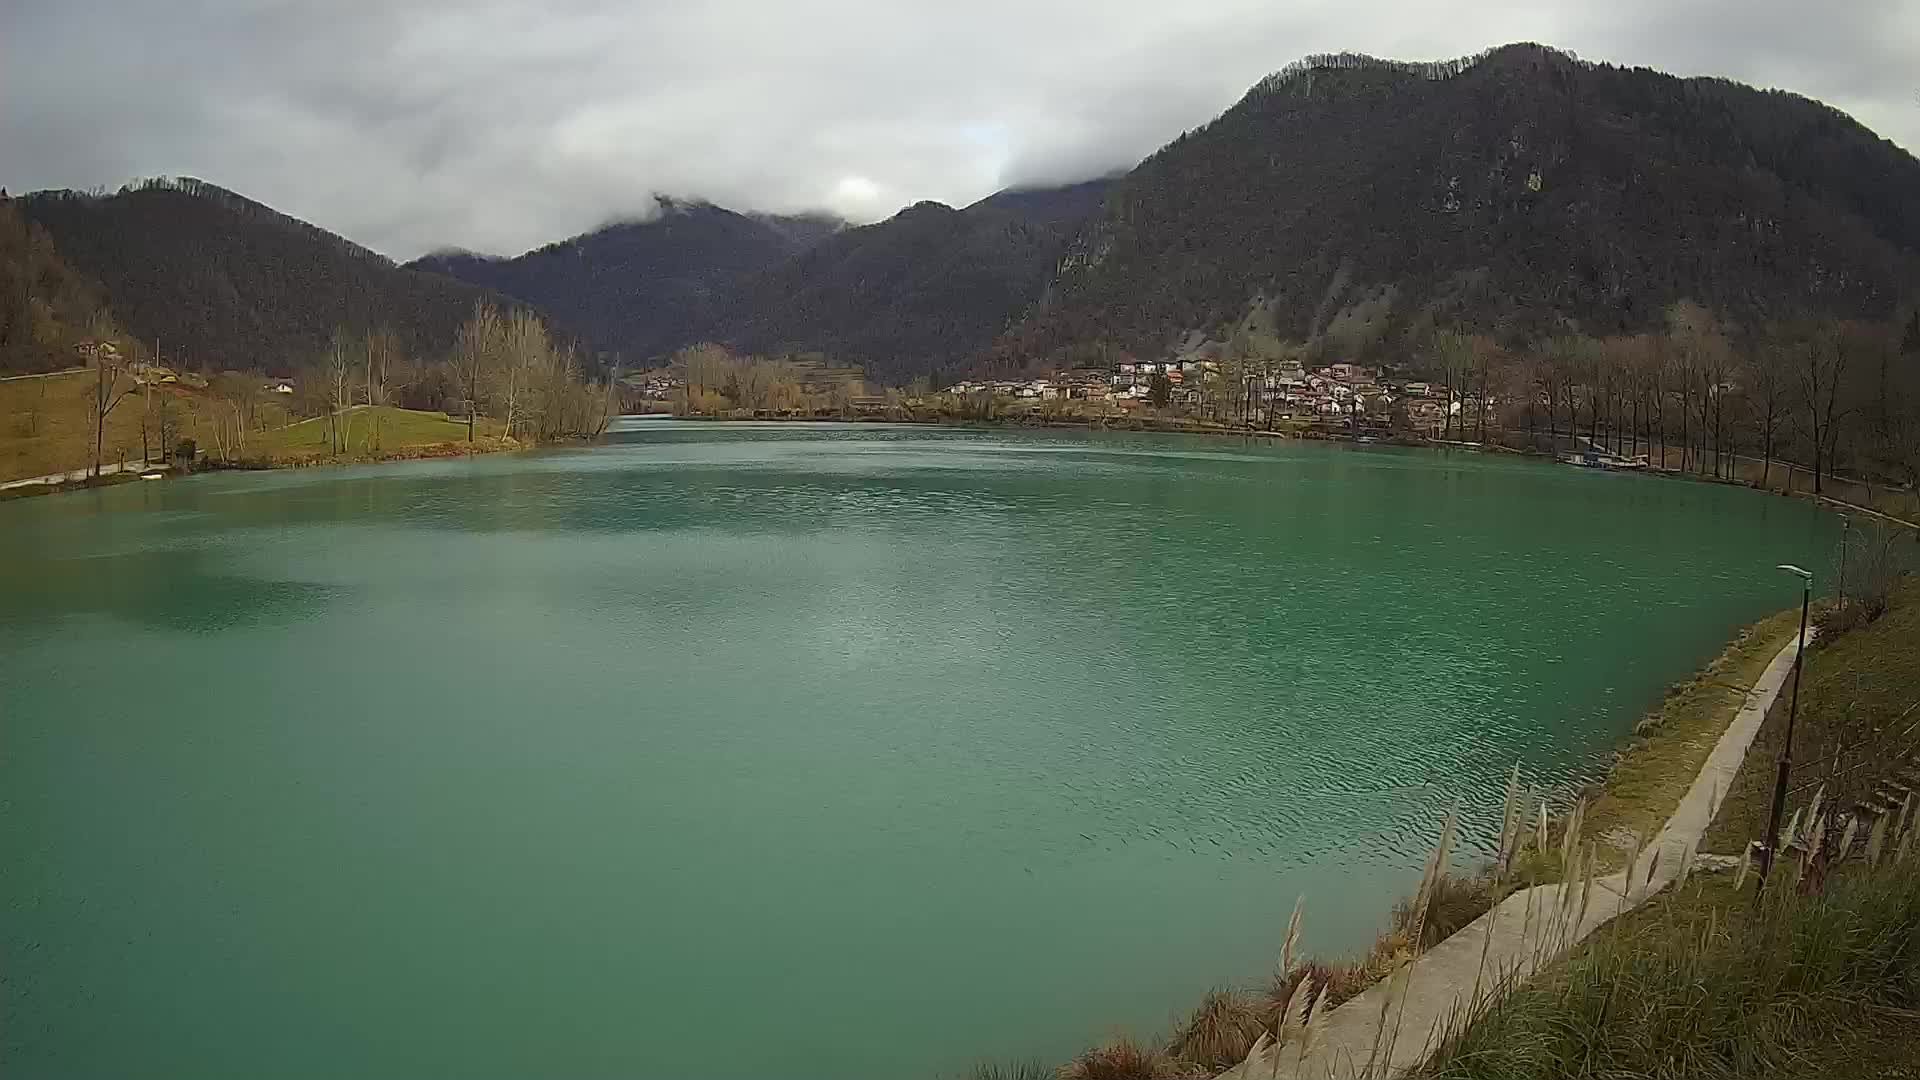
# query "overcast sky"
(414, 124)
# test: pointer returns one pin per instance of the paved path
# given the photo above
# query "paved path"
(41, 374)
(77, 475)
(1526, 932)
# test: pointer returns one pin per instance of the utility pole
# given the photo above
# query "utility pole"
(1772, 838)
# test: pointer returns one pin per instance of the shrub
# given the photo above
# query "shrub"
(1453, 902)
(1868, 564)
(1344, 982)
(1120, 1058)
(1221, 1031)
(1019, 1070)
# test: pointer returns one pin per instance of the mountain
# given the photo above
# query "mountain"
(928, 288)
(1358, 202)
(231, 283)
(643, 288)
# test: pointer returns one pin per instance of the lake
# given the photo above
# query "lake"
(727, 751)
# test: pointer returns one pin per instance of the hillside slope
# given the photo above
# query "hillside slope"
(1350, 201)
(928, 288)
(46, 307)
(230, 283)
(643, 288)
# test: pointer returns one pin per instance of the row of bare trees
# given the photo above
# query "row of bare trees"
(716, 382)
(503, 365)
(509, 366)
(1700, 396)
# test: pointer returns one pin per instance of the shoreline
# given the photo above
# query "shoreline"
(1155, 426)
(1491, 958)
(32, 487)
(1164, 427)
(1668, 773)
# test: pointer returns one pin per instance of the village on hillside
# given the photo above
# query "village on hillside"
(1286, 391)
(1342, 395)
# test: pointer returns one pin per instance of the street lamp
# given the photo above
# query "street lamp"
(1786, 748)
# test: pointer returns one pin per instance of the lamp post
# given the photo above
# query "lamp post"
(1786, 749)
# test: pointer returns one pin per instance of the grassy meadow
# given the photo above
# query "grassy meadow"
(46, 427)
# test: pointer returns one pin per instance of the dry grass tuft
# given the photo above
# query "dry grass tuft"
(1453, 901)
(1221, 1031)
(1343, 982)
(1018, 1070)
(1120, 1058)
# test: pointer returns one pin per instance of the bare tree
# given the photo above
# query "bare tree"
(1823, 365)
(388, 372)
(166, 416)
(341, 364)
(703, 370)
(525, 352)
(236, 395)
(1486, 356)
(111, 383)
(475, 350)
(1769, 380)
(1455, 353)
(36, 407)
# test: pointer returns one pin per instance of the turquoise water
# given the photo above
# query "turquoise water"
(796, 751)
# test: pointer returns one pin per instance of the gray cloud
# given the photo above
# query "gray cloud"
(498, 126)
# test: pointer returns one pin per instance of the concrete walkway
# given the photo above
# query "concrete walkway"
(1526, 932)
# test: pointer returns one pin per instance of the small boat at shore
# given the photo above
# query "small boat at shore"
(1600, 459)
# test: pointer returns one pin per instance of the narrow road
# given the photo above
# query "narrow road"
(41, 374)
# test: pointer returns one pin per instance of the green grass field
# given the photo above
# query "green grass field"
(1855, 694)
(369, 431)
(46, 427)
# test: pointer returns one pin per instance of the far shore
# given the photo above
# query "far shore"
(1171, 426)
(488, 444)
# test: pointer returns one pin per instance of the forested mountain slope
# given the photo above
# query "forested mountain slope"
(929, 288)
(226, 282)
(644, 288)
(1358, 202)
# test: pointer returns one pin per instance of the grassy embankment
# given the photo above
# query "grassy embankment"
(46, 427)
(1822, 978)
(1639, 792)
(373, 433)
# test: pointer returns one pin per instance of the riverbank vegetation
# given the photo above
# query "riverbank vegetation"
(1796, 405)
(1793, 404)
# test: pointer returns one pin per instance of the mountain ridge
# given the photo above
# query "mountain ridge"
(1344, 203)
(1357, 203)
(233, 283)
